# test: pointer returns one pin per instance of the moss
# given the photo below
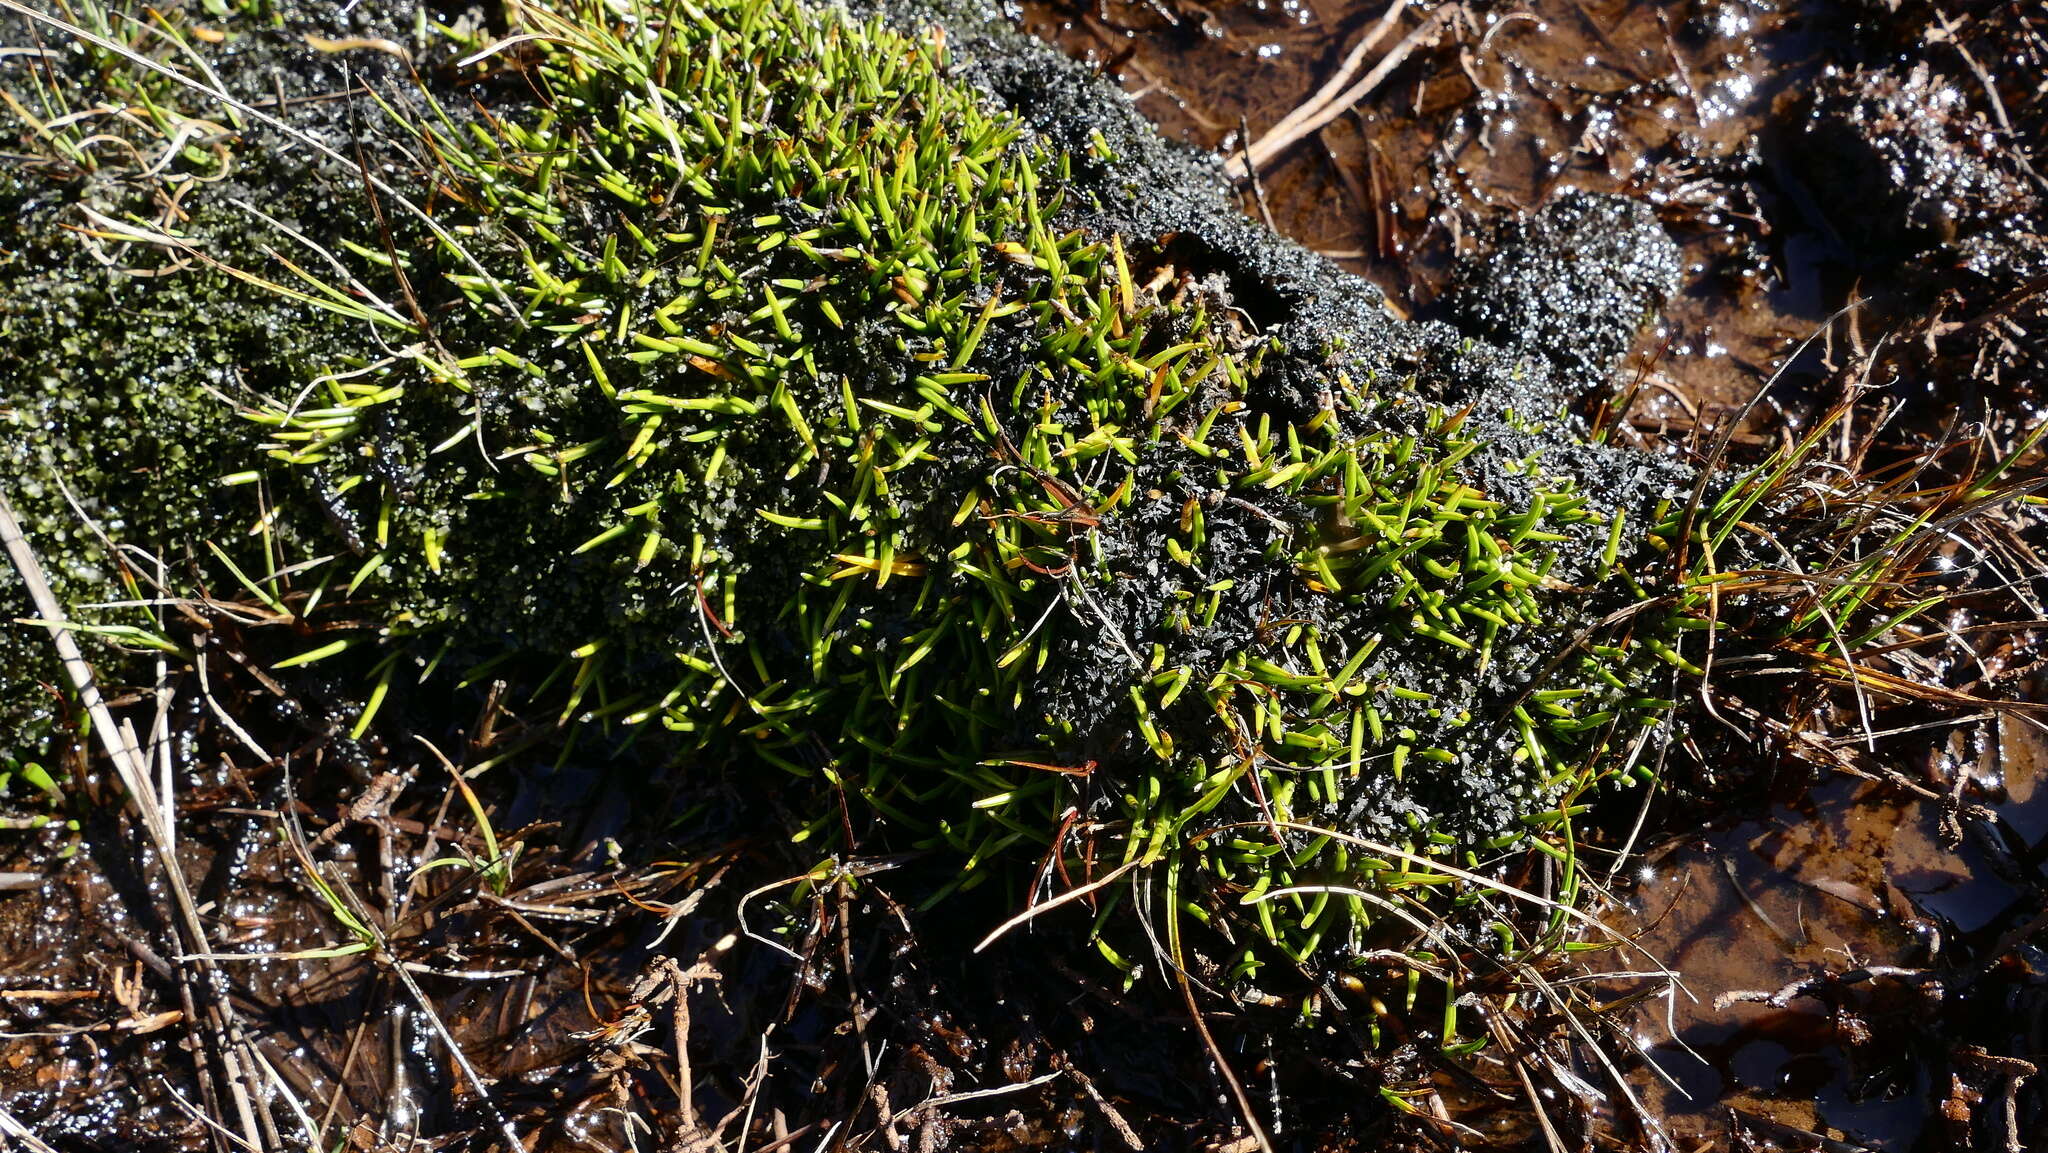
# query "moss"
(765, 381)
(126, 367)
(1572, 283)
(118, 398)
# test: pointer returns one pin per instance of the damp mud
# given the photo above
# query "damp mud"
(514, 970)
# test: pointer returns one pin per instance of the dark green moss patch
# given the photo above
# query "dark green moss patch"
(765, 382)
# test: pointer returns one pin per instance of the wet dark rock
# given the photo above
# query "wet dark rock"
(1892, 164)
(1913, 176)
(1570, 285)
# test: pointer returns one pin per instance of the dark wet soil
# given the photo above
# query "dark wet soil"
(98, 1033)
(361, 937)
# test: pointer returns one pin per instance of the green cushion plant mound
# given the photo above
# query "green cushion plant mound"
(754, 381)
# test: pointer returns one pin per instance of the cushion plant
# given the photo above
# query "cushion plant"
(749, 371)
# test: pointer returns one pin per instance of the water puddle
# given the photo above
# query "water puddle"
(1912, 946)
(1670, 102)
